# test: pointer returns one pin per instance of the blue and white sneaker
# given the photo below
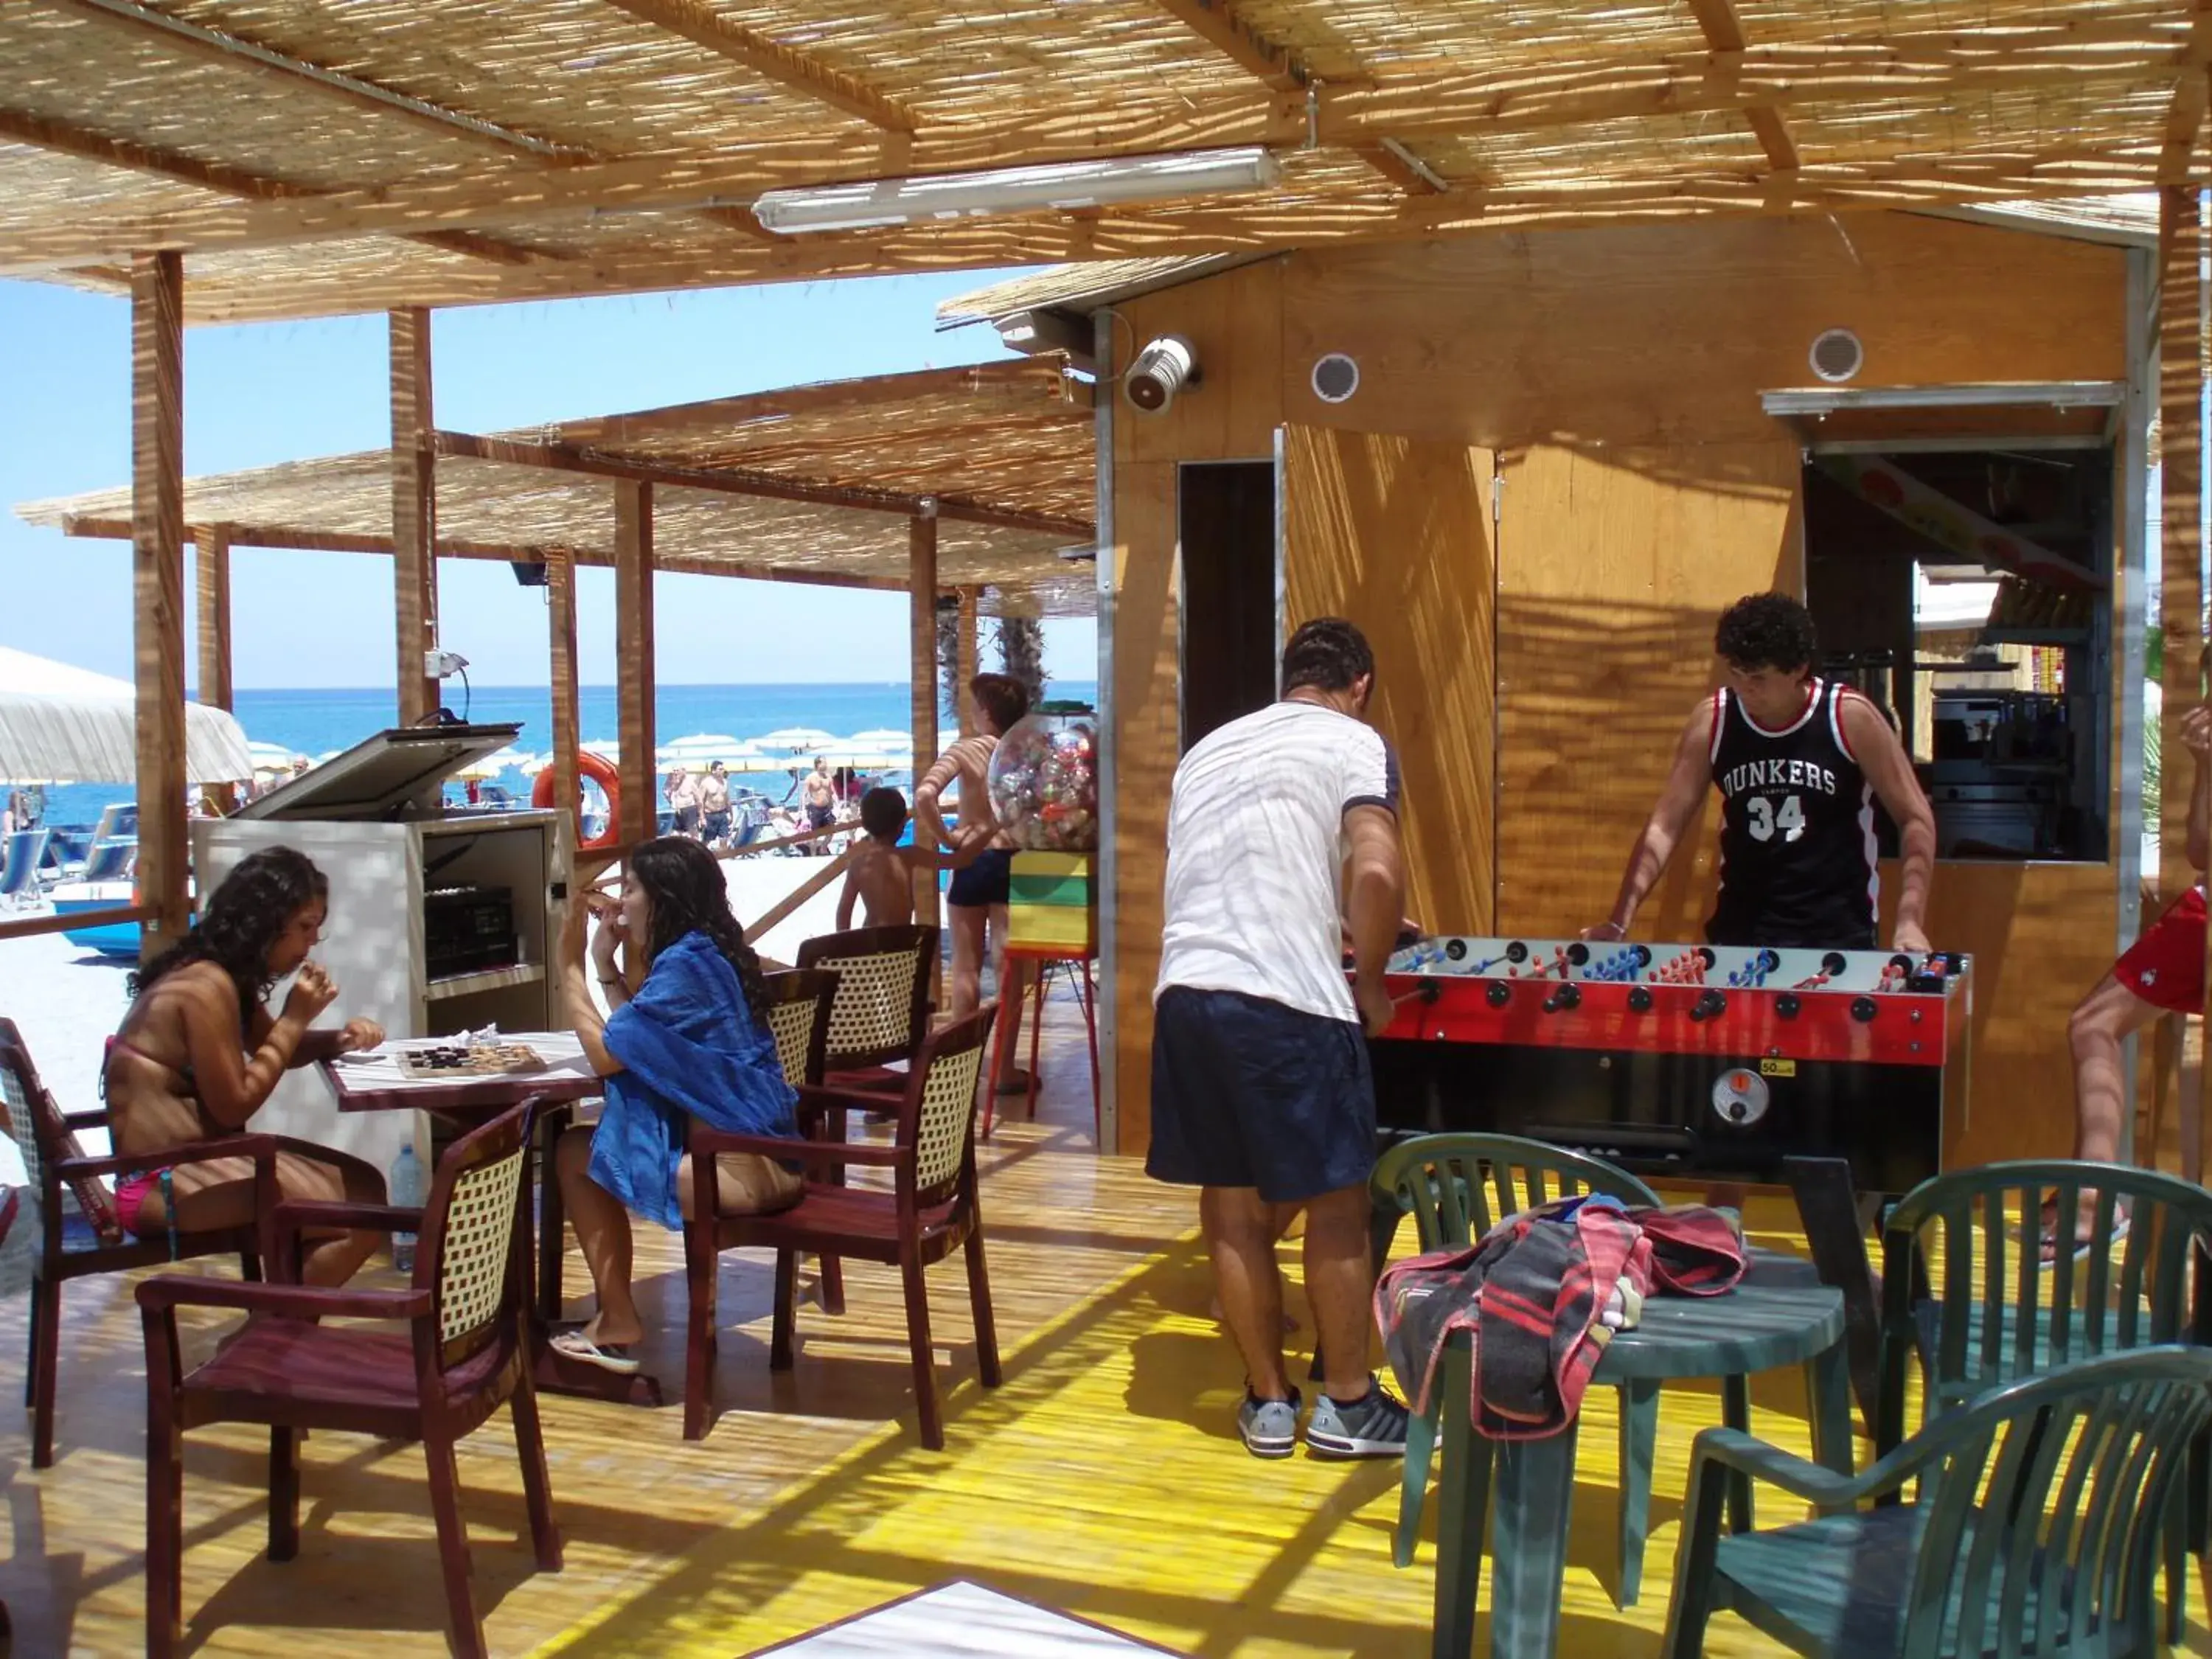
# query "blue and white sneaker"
(1270, 1427)
(1373, 1426)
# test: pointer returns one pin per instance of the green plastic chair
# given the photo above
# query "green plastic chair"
(2000, 1313)
(1457, 1186)
(2033, 1531)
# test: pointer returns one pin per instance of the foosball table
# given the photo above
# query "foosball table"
(1711, 1061)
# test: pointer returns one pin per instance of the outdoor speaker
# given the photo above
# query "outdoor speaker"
(527, 574)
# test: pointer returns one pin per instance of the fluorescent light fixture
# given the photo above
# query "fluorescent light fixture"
(1059, 187)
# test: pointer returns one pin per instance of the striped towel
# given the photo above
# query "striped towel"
(1541, 1293)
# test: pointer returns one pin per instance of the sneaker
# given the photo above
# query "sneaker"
(1270, 1427)
(1372, 1426)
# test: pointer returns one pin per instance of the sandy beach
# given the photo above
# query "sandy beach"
(66, 1000)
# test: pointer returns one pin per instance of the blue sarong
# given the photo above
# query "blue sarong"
(688, 1048)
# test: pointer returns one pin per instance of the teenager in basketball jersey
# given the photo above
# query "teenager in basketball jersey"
(1799, 762)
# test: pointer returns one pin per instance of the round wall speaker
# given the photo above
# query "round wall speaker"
(1335, 378)
(1836, 355)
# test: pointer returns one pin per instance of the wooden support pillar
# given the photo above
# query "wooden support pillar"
(157, 559)
(2181, 387)
(922, 585)
(568, 727)
(211, 566)
(413, 511)
(965, 670)
(634, 683)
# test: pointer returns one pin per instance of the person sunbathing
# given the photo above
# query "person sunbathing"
(686, 1043)
(198, 1053)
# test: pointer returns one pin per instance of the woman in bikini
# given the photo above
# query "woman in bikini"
(198, 1053)
(686, 1043)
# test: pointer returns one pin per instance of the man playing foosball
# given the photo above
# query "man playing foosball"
(1799, 762)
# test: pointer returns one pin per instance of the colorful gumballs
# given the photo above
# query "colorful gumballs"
(1044, 779)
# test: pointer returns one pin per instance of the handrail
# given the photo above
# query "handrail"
(798, 896)
(33, 926)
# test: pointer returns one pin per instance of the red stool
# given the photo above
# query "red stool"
(1077, 959)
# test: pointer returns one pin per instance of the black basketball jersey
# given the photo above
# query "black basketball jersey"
(1797, 839)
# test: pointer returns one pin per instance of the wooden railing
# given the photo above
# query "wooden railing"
(31, 926)
(592, 871)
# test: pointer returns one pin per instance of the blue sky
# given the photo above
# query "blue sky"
(260, 393)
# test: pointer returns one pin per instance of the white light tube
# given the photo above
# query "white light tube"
(874, 203)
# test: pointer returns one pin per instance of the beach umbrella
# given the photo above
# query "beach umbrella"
(794, 739)
(487, 768)
(60, 722)
(883, 738)
(701, 750)
(270, 758)
(605, 748)
(760, 763)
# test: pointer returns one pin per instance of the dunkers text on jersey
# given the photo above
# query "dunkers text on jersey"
(1797, 840)
(1776, 775)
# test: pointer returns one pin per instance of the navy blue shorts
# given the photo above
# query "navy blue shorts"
(1246, 1092)
(989, 880)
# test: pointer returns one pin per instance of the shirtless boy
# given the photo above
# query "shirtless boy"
(880, 878)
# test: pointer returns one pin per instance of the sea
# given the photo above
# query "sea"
(314, 723)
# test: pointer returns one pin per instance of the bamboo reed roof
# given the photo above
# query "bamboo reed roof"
(814, 484)
(356, 155)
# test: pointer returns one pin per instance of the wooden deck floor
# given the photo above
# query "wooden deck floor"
(1102, 1479)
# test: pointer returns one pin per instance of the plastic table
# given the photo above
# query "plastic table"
(1751, 1328)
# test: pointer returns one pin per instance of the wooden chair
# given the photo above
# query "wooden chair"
(1998, 1315)
(930, 1211)
(2023, 1538)
(92, 1241)
(798, 1014)
(881, 1013)
(1457, 1187)
(465, 1353)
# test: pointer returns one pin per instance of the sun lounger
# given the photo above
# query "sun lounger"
(19, 868)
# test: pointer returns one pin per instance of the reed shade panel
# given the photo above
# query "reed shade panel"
(1009, 441)
(367, 155)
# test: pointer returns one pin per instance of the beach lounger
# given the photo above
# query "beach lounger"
(111, 860)
(19, 868)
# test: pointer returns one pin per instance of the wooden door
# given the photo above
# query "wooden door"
(1613, 567)
(1396, 535)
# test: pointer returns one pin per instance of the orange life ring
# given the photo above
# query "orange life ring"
(602, 772)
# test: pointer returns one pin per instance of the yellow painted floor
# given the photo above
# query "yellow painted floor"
(1104, 1477)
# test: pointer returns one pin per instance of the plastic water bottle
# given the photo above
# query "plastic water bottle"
(406, 1191)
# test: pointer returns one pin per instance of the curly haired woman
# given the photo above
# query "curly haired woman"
(198, 1054)
(686, 1044)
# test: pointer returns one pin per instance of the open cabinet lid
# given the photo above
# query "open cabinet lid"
(394, 775)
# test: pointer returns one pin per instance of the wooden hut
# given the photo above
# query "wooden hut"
(1533, 466)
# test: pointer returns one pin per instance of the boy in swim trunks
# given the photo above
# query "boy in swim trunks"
(2162, 972)
(880, 878)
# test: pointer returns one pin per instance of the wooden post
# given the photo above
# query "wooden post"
(633, 689)
(211, 566)
(2181, 385)
(413, 511)
(157, 558)
(921, 587)
(966, 670)
(567, 730)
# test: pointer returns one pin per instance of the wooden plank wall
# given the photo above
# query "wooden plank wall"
(1394, 533)
(1619, 372)
(1612, 565)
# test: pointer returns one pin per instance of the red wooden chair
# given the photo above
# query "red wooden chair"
(881, 1013)
(93, 1241)
(466, 1353)
(930, 1211)
(798, 1015)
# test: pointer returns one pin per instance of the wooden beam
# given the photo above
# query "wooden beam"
(734, 481)
(211, 565)
(963, 669)
(921, 673)
(1216, 22)
(567, 718)
(236, 51)
(297, 538)
(704, 27)
(414, 513)
(1394, 163)
(1723, 32)
(2182, 242)
(633, 665)
(2185, 115)
(64, 138)
(157, 557)
(740, 220)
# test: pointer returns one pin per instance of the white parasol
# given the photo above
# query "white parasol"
(60, 722)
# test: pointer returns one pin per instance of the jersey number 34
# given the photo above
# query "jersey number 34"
(1766, 821)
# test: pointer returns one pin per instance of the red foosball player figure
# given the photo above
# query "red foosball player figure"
(2162, 972)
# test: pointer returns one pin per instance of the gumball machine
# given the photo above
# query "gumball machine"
(1044, 779)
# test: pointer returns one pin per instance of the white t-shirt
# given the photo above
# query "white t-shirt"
(1255, 854)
